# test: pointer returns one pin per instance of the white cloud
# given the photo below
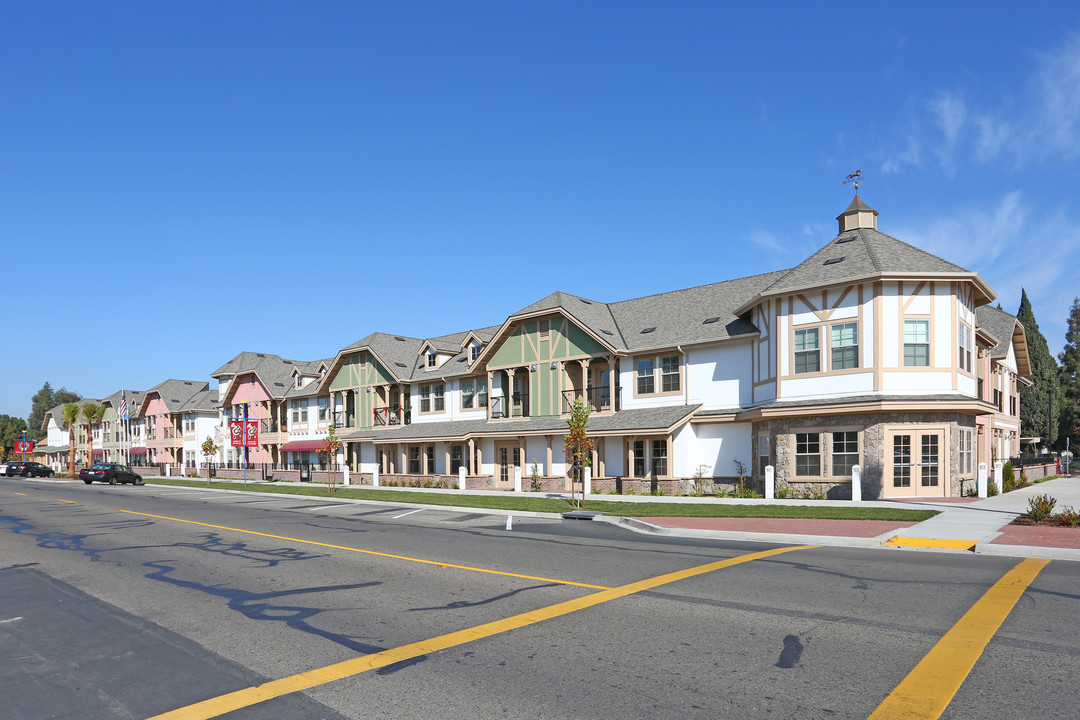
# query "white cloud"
(767, 240)
(950, 115)
(1045, 126)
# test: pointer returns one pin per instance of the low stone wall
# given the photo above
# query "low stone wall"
(1036, 472)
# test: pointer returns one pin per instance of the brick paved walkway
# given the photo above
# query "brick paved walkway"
(1053, 537)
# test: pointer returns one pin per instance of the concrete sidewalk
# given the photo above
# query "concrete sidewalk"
(981, 526)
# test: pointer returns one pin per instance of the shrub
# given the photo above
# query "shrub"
(1008, 478)
(991, 488)
(1040, 507)
(1069, 517)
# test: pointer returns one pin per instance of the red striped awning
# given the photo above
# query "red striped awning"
(302, 446)
(137, 451)
(97, 452)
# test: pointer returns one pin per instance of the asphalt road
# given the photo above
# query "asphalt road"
(131, 602)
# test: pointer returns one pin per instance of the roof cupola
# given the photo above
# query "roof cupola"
(858, 215)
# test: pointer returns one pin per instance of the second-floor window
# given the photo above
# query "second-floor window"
(324, 408)
(474, 394)
(430, 360)
(844, 343)
(916, 343)
(964, 352)
(299, 411)
(669, 369)
(432, 398)
(189, 422)
(807, 351)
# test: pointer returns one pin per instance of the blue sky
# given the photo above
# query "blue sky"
(184, 181)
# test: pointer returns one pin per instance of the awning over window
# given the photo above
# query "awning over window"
(137, 451)
(98, 452)
(302, 446)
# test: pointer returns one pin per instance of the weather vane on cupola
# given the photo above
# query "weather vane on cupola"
(855, 179)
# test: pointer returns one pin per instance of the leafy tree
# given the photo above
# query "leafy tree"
(1069, 425)
(330, 447)
(71, 415)
(92, 413)
(209, 449)
(1035, 400)
(11, 429)
(578, 446)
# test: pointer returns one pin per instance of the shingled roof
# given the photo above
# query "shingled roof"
(175, 393)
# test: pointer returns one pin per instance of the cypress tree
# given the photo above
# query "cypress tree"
(1070, 380)
(1035, 411)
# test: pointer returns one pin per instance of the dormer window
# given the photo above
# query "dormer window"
(299, 381)
(474, 352)
(430, 360)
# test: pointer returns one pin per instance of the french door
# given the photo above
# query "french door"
(918, 464)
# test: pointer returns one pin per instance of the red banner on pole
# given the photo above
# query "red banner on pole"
(24, 446)
(252, 439)
(236, 433)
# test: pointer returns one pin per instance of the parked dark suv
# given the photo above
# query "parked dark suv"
(25, 468)
(110, 473)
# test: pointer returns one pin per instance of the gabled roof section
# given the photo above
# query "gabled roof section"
(134, 400)
(482, 336)
(244, 362)
(699, 314)
(396, 353)
(204, 401)
(174, 393)
(1007, 330)
(865, 253)
(592, 315)
(58, 412)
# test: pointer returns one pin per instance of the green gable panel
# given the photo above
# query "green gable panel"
(347, 375)
(574, 342)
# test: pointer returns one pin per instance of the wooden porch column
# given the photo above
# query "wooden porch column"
(630, 456)
(470, 462)
(403, 457)
(598, 461)
(522, 447)
(446, 458)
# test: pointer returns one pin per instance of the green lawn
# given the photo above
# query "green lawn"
(554, 505)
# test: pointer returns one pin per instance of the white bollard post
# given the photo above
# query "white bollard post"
(375, 477)
(856, 484)
(999, 475)
(517, 478)
(770, 482)
(461, 478)
(982, 480)
(345, 479)
(588, 480)
(168, 471)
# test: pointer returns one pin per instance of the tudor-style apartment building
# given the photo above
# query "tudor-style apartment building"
(871, 352)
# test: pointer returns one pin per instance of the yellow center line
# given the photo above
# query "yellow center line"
(215, 707)
(23, 494)
(437, 563)
(929, 688)
(68, 501)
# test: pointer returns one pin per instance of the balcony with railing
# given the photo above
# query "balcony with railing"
(271, 431)
(598, 399)
(392, 415)
(503, 408)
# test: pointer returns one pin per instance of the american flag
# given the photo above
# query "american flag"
(123, 411)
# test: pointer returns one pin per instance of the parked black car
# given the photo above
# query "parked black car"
(110, 473)
(25, 468)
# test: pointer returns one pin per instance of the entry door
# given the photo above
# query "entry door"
(507, 457)
(919, 464)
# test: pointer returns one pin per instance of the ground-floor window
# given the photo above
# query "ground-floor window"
(845, 452)
(457, 458)
(967, 446)
(650, 458)
(808, 454)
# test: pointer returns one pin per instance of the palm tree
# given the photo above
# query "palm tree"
(92, 413)
(71, 414)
